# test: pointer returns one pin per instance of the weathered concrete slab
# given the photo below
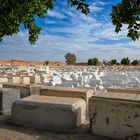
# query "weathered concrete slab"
(24, 89)
(7, 97)
(53, 113)
(115, 116)
(124, 90)
(85, 94)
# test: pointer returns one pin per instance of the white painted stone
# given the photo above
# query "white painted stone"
(37, 79)
(16, 80)
(3, 79)
(26, 80)
(47, 69)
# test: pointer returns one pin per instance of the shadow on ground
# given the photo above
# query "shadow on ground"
(14, 132)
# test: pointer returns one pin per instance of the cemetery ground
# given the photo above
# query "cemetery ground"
(75, 93)
(14, 132)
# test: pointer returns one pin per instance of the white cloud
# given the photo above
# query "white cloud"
(86, 36)
(55, 14)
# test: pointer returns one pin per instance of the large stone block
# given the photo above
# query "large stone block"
(85, 94)
(124, 90)
(52, 113)
(37, 79)
(25, 80)
(115, 116)
(24, 89)
(16, 79)
(7, 97)
(3, 79)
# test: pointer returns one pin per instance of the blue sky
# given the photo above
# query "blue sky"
(66, 30)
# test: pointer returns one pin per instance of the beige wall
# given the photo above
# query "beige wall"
(115, 118)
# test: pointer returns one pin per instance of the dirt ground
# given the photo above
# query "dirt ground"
(13, 132)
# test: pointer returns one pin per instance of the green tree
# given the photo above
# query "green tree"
(125, 61)
(95, 61)
(135, 62)
(127, 12)
(70, 58)
(113, 62)
(13, 13)
(90, 61)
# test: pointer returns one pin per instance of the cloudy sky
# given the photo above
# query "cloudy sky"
(66, 30)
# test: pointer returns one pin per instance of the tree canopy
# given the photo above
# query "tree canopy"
(13, 13)
(113, 62)
(46, 63)
(93, 61)
(127, 12)
(70, 58)
(125, 61)
(135, 62)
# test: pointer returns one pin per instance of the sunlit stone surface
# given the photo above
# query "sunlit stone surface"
(115, 115)
(52, 113)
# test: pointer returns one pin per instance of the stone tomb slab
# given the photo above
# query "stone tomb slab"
(25, 80)
(118, 95)
(16, 79)
(7, 97)
(51, 113)
(3, 79)
(24, 89)
(124, 90)
(115, 116)
(82, 93)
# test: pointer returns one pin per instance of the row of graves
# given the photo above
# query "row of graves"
(64, 99)
(113, 114)
(83, 77)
